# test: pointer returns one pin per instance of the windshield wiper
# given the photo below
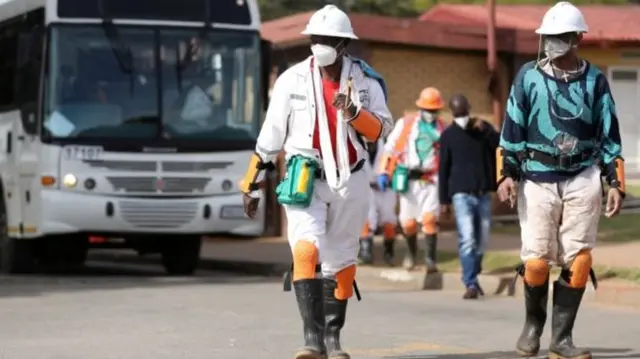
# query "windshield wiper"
(120, 50)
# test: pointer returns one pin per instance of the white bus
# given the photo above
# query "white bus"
(131, 120)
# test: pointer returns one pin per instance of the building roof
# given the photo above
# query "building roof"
(384, 29)
(617, 23)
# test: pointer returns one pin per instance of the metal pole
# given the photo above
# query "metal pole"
(492, 63)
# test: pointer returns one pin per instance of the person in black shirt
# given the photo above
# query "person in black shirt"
(466, 178)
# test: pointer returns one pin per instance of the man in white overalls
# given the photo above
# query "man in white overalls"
(382, 212)
(410, 165)
(319, 112)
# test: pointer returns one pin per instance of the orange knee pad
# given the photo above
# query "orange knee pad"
(536, 272)
(365, 232)
(580, 269)
(410, 227)
(305, 260)
(430, 223)
(344, 283)
(389, 231)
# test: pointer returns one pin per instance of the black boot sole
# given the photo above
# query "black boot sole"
(558, 356)
(339, 356)
(309, 354)
(526, 354)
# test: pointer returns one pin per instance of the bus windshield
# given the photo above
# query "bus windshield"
(143, 83)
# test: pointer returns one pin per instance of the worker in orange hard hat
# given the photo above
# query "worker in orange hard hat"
(409, 165)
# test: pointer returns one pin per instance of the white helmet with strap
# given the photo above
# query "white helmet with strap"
(562, 18)
(330, 21)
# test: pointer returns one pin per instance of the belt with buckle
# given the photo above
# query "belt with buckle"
(320, 174)
(564, 161)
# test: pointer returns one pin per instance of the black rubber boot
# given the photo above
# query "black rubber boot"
(535, 301)
(310, 302)
(335, 316)
(566, 302)
(430, 253)
(412, 251)
(389, 245)
(365, 256)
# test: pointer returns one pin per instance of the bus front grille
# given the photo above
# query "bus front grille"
(173, 185)
(151, 215)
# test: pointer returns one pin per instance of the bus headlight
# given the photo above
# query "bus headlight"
(69, 180)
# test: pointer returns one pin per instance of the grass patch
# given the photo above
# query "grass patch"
(493, 263)
(633, 190)
(623, 228)
(498, 263)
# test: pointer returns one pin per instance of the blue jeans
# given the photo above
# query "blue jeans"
(473, 219)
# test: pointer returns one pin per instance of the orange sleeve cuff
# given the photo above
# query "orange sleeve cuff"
(248, 183)
(499, 163)
(368, 125)
(620, 174)
(384, 163)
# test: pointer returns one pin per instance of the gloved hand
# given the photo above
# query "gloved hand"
(383, 181)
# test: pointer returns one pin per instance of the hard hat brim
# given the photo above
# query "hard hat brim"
(543, 31)
(430, 105)
(344, 35)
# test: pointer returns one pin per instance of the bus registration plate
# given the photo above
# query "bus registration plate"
(82, 153)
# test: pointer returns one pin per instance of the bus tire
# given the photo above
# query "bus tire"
(16, 256)
(181, 256)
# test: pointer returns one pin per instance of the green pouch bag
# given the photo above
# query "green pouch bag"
(296, 189)
(400, 179)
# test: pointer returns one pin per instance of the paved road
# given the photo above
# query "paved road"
(138, 314)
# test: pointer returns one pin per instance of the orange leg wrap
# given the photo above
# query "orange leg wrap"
(367, 125)
(429, 223)
(536, 272)
(580, 269)
(410, 228)
(344, 283)
(389, 231)
(364, 233)
(305, 259)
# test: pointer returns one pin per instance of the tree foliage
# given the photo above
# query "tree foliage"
(272, 9)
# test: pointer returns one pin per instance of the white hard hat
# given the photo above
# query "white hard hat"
(562, 18)
(330, 21)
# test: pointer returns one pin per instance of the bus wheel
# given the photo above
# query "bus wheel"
(180, 256)
(16, 256)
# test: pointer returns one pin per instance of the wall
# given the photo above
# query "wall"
(604, 58)
(408, 70)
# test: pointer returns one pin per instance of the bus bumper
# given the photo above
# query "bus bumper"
(67, 212)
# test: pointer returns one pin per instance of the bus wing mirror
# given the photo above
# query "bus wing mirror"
(30, 47)
(24, 49)
(28, 115)
(265, 65)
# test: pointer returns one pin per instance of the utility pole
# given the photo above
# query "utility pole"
(492, 64)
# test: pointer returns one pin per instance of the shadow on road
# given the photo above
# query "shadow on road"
(103, 274)
(604, 353)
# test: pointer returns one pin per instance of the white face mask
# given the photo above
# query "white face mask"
(324, 55)
(462, 121)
